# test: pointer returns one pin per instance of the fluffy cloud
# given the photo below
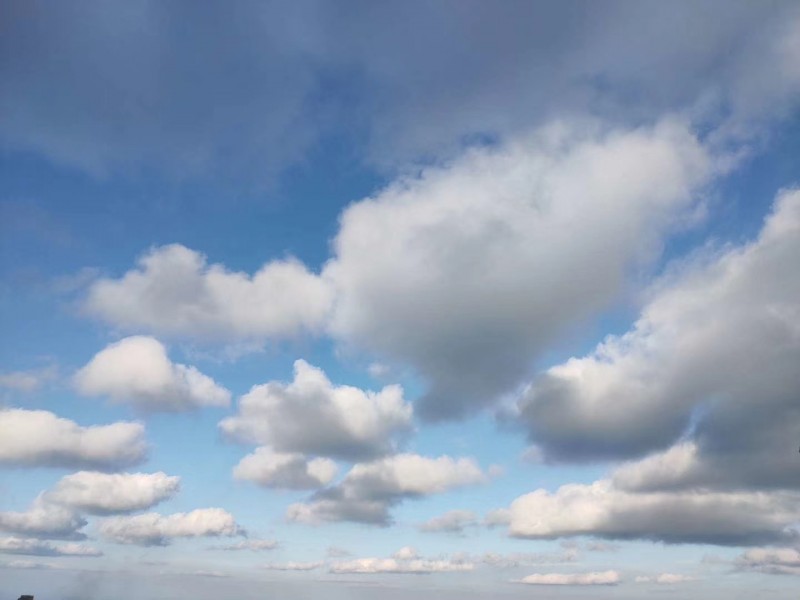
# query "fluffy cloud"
(30, 547)
(595, 578)
(453, 521)
(664, 578)
(175, 292)
(713, 355)
(600, 510)
(40, 438)
(404, 561)
(137, 370)
(775, 561)
(369, 490)
(469, 271)
(285, 471)
(312, 416)
(152, 529)
(103, 494)
(44, 520)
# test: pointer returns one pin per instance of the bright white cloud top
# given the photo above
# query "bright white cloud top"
(153, 529)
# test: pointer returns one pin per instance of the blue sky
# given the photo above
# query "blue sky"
(376, 299)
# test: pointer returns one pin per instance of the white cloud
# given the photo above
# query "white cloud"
(713, 358)
(406, 553)
(664, 578)
(293, 566)
(27, 381)
(43, 520)
(252, 545)
(453, 521)
(12, 545)
(310, 415)
(289, 471)
(411, 566)
(594, 578)
(103, 494)
(369, 490)
(776, 561)
(40, 438)
(470, 270)
(152, 529)
(725, 518)
(137, 370)
(173, 291)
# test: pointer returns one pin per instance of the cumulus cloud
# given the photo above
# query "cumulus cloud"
(429, 272)
(310, 415)
(29, 547)
(710, 366)
(594, 578)
(44, 520)
(453, 521)
(369, 490)
(774, 561)
(152, 529)
(600, 510)
(137, 370)
(104, 494)
(289, 471)
(40, 438)
(174, 292)
(664, 578)
(404, 561)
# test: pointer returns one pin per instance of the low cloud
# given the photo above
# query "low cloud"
(310, 415)
(30, 547)
(152, 529)
(38, 438)
(44, 520)
(594, 578)
(289, 471)
(664, 578)
(252, 545)
(774, 561)
(404, 561)
(137, 370)
(293, 566)
(453, 521)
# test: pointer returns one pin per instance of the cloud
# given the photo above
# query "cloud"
(664, 578)
(26, 564)
(453, 521)
(137, 370)
(710, 366)
(27, 381)
(252, 545)
(44, 520)
(152, 529)
(293, 566)
(310, 415)
(600, 510)
(429, 271)
(174, 292)
(406, 553)
(594, 578)
(404, 561)
(369, 490)
(285, 471)
(105, 494)
(774, 561)
(521, 559)
(28, 547)
(38, 438)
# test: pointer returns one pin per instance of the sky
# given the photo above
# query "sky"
(369, 299)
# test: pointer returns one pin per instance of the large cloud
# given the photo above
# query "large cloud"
(30, 547)
(601, 510)
(138, 370)
(175, 292)
(289, 471)
(40, 438)
(369, 490)
(152, 529)
(713, 358)
(312, 416)
(468, 271)
(44, 520)
(103, 494)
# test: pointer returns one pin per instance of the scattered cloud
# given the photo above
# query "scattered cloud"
(404, 561)
(137, 370)
(29, 547)
(293, 566)
(290, 471)
(174, 292)
(250, 544)
(664, 578)
(774, 561)
(594, 578)
(369, 490)
(152, 529)
(44, 520)
(28, 381)
(453, 521)
(310, 415)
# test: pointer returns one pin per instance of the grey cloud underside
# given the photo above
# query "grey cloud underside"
(145, 83)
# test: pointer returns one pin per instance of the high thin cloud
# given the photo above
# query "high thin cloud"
(285, 471)
(369, 490)
(38, 438)
(310, 415)
(137, 370)
(429, 272)
(105, 494)
(710, 366)
(27, 381)
(175, 292)
(31, 547)
(152, 529)
(594, 578)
